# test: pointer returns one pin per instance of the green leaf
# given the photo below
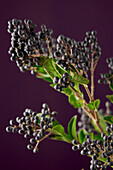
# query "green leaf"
(94, 105)
(108, 119)
(58, 137)
(80, 79)
(82, 134)
(49, 68)
(97, 103)
(91, 135)
(91, 106)
(55, 123)
(111, 86)
(41, 73)
(44, 77)
(110, 97)
(73, 100)
(59, 131)
(58, 68)
(98, 137)
(72, 127)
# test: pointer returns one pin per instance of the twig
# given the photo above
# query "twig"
(45, 136)
(88, 92)
(48, 47)
(96, 62)
(92, 79)
(92, 114)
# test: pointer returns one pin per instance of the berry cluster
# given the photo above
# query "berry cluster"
(85, 121)
(107, 78)
(97, 149)
(69, 52)
(28, 46)
(34, 125)
(63, 82)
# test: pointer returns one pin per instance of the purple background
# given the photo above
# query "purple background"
(18, 90)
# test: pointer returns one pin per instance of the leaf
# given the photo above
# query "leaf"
(72, 127)
(91, 135)
(82, 134)
(94, 105)
(55, 123)
(108, 119)
(98, 137)
(58, 137)
(111, 86)
(110, 97)
(91, 106)
(58, 68)
(97, 103)
(41, 73)
(74, 101)
(44, 77)
(49, 68)
(80, 79)
(59, 131)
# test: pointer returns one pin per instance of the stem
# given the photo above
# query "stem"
(89, 94)
(92, 79)
(48, 47)
(45, 136)
(92, 114)
(38, 141)
(96, 62)
(95, 119)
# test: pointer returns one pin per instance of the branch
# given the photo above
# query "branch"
(92, 114)
(92, 79)
(48, 47)
(96, 62)
(88, 92)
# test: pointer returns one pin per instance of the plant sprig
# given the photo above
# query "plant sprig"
(65, 64)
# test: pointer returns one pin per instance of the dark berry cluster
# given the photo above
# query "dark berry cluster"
(69, 52)
(85, 121)
(63, 82)
(27, 45)
(97, 149)
(33, 125)
(107, 78)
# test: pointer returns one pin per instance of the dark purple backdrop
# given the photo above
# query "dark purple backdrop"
(18, 90)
